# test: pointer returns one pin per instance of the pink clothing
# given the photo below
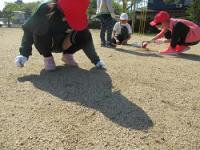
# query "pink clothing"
(161, 34)
(194, 33)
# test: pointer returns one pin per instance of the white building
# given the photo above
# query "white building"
(19, 17)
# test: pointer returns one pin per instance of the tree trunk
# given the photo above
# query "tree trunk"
(124, 5)
(196, 6)
(8, 19)
(133, 7)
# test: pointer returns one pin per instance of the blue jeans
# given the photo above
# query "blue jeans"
(107, 24)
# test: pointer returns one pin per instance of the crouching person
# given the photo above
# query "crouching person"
(122, 31)
(182, 33)
(68, 44)
(54, 27)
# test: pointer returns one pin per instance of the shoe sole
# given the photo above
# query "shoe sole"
(184, 50)
(68, 63)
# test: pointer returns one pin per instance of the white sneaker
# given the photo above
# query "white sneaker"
(101, 65)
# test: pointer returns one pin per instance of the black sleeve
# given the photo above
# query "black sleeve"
(26, 44)
(33, 26)
(38, 22)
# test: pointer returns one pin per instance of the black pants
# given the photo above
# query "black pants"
(168, 35)
(80, 40)
(120, 37)
(179, 34)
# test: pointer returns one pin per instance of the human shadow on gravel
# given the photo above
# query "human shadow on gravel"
(92, 89)
(187, 56)
(138, 52)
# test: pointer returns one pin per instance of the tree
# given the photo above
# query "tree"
(194, 11)
(117, 7)
(92, 8)
(8, 11)
(28, 8)
(125, 2)
(1, 14)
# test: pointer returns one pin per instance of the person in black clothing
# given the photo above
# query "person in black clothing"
(54, 27)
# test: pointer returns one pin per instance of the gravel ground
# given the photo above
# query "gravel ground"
(144, 101)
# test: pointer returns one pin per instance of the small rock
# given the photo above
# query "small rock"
(158, 141)
(21, 143)
(163, 139)
(107, 144)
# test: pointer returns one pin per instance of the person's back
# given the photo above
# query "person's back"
(194, 29)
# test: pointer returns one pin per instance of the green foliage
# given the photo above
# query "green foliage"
(117, 7)
(1, 14)
(10, 7)
(193, 12)
(8, 11)
(28, 8)
(92, 8)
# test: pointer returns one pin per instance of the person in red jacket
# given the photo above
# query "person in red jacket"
(184, 33)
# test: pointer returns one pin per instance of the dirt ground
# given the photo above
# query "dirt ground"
(144, 101)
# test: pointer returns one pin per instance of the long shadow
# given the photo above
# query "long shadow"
(138, 52)
(92, 89)
(187, 56)
(192, 57)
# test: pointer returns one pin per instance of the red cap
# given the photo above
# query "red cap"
(162, 16)
(75, 12)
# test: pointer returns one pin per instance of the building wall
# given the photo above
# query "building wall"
(19, 17)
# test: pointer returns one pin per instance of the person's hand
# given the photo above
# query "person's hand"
(159, 41)
(117, 41)
(20, 60)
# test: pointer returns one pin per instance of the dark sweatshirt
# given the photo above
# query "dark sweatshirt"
(45, 21)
